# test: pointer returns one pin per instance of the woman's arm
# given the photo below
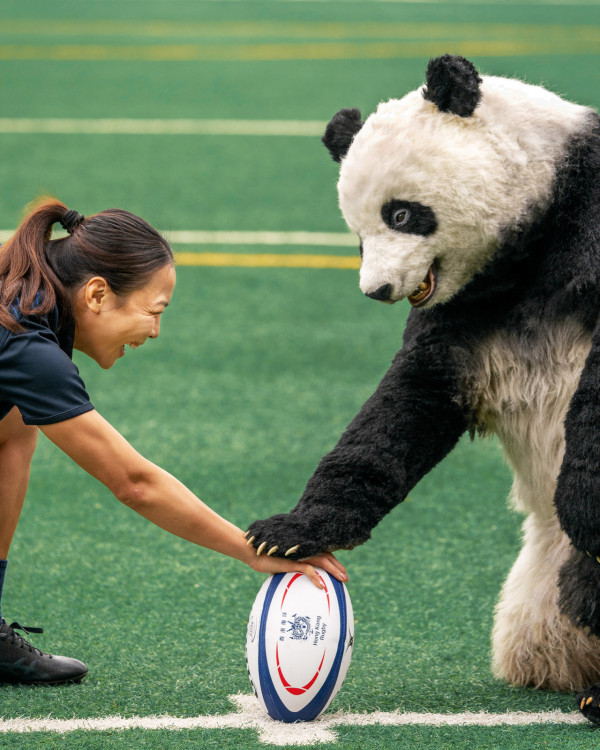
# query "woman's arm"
(155, 494)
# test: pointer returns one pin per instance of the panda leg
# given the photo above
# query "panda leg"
(533, 643)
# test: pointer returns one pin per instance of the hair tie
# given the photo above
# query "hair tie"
(71, 220)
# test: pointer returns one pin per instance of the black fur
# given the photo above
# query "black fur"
(340, 131)
(579, 583)
(588, 702)
(544, 272)
(452, 84)
(420, 219)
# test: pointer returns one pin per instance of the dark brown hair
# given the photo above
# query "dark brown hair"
(37, 272)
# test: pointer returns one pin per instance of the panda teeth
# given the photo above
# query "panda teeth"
(420, 292)
(425, 290)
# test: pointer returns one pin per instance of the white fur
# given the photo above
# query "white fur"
(521, 391)
(533, 644)
(479, 174)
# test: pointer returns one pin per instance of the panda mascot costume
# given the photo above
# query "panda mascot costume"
(478, 199)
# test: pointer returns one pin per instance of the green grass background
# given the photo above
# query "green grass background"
(254, 376)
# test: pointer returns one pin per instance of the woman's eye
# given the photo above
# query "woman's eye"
(400, 217)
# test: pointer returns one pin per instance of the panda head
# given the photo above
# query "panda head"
(432, 182)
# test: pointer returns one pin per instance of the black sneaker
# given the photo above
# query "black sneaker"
(23, 663)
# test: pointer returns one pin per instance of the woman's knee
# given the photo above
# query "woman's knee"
(18, 437)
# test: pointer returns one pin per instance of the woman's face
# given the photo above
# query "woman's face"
(105, 323)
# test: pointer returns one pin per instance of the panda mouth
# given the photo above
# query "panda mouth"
(426, 289)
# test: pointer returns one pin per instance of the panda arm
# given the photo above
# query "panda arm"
(577, 497)
(409, 424)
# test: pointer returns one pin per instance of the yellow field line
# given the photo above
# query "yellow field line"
(299, 51)
(335, 30)
(254, 260)
(267, 260)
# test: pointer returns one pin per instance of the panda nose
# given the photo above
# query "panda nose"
(382, 294)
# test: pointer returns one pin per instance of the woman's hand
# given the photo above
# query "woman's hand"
(327, 561)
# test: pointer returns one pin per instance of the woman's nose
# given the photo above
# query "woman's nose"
(156, 328)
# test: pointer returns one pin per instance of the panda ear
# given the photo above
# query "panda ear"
(342, 128)
(452, 84)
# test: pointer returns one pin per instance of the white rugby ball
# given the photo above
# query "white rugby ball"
(299, 644)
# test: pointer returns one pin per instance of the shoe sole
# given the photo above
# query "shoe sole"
(75, 680)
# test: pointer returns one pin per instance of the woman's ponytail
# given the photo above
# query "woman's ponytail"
(27, 280)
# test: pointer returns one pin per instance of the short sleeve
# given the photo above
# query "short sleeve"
(38, 377)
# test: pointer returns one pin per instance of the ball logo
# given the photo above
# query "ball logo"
(300, 629)
(252, 628)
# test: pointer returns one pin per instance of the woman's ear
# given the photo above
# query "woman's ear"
(95, 293)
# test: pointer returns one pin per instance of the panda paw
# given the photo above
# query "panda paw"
(283, 536)
(589, 703)
(298, 536)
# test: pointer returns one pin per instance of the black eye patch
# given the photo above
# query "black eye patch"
(409, 217)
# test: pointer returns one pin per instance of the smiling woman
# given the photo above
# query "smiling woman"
(125, 321)
(98, 290)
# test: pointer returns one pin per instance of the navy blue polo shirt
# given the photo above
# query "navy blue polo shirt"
(36, 371)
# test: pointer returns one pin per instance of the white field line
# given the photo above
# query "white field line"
(193, 237)
(105, 126)
(250, 715)
(327, 239)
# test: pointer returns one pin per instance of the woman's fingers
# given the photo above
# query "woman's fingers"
(329, 563)
(309, 571)
(272, 565)
(334, 561)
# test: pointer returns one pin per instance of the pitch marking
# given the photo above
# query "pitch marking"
(250, 715)
(257, 260)
(121, 126)
(337, 239)
(293, 51)
(194, 237)
(332, 30)
(267, 260)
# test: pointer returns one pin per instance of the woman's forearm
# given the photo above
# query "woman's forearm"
(164, 500)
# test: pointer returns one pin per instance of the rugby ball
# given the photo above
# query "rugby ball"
(299, 644)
